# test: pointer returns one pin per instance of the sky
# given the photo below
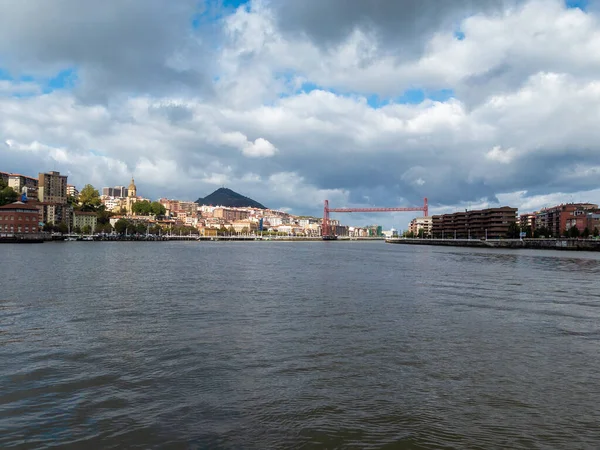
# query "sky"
(469, 103)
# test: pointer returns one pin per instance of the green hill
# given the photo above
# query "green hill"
(229, 198)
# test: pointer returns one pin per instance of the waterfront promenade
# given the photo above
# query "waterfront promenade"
(541, 243)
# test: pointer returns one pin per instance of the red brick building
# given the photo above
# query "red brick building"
(562, 217)
(19, 218)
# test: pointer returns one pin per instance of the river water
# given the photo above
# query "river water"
(297, 345)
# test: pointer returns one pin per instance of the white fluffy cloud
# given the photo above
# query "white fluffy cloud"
(292, 117)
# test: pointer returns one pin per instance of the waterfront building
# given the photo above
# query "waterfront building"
(19, 218)
(528, 220)
(244, 226)
(420, 223)
(562, 217)
(490, 223)
(56, 213)
(82, 219)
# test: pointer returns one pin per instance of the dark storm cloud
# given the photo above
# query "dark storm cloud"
(402, 25)
(141, 46)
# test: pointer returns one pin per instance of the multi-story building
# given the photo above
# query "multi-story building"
(52, 188)
(18, 182)
(120, 192)
(19, 218)
(562, 217)
(490, 223)
(528, 220)
(230, 214)
(108, 192)
(420, 223)
(82, 219)
(56, 213)
(112, 203)
(72, 191)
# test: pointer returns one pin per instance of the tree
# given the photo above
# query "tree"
(121, 226)
(103, 228)
(141, 228)
(586, 233)
(565, 233)
(62, 228)
(574, 232)
(158, 209)
(87, 229)
(77, 230)
(7, 194)
(89, 198)
(48, 226)
(143, 208)
(542, 232)
(596, 232)
(513, 231)
(103, 216)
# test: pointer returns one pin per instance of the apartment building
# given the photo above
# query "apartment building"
(52, 188)
(528, 220)
(72, 191)
(492, 223)
(230, 214)
(562, 217)
(421, 223)
(18, 182)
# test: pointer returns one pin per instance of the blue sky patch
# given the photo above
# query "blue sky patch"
(581, 4)
(64, 79)
(409, 97)
(412, 97)
(459, 35)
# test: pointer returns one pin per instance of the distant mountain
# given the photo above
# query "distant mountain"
(227, 197)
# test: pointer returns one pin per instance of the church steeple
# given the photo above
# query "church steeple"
(132, 190)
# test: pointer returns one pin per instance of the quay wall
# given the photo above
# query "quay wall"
(543, 244)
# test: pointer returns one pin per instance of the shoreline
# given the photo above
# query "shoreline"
(30, 239)
(538, 244)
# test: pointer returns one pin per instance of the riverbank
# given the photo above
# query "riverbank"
(46, 237)
(542, 244)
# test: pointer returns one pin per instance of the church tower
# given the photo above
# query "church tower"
(131, 190)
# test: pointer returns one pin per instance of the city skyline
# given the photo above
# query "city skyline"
(478, 106)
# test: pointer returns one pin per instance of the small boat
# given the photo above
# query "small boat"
(70, 238)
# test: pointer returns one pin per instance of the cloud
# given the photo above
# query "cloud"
(272, 103)
(127, 47)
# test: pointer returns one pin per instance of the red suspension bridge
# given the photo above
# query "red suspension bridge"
(326, 231)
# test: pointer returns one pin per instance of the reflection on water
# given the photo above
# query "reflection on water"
(297, 345)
